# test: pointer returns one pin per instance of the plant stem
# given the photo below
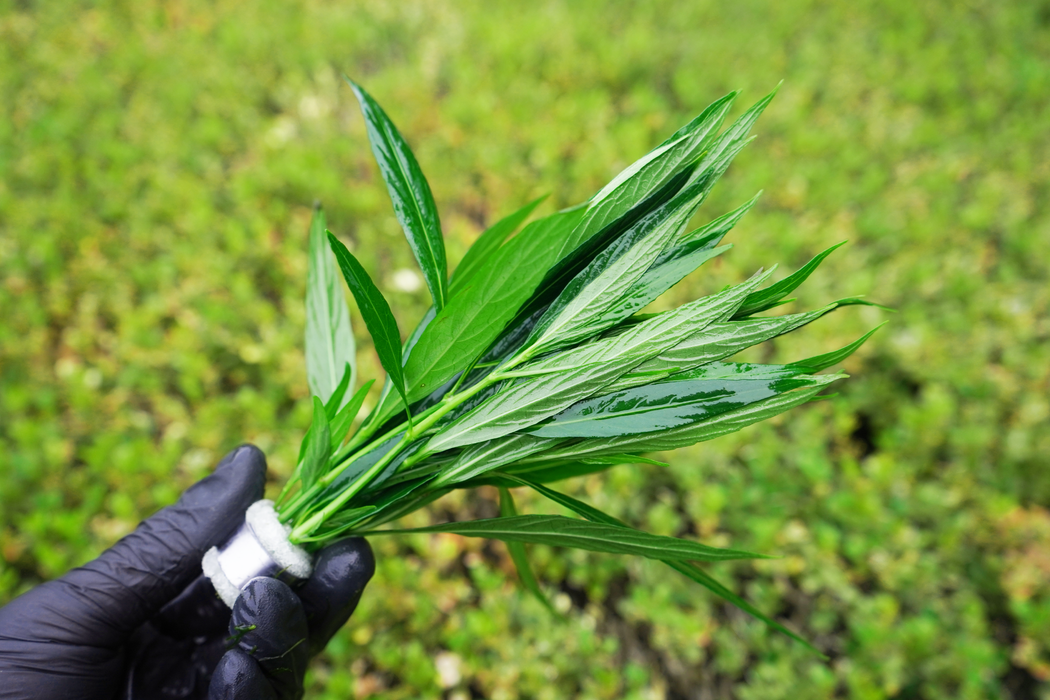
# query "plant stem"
(410, 429)
(305, 529)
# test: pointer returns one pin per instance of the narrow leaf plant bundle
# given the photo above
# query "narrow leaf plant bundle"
(537, 362)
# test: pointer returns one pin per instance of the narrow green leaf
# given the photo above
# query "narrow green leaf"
(648, 174)
(688, 569)
(491, 454)
(342, 422)
(559, 531)
(721, 152)
(544, 472)
(329, 338)
(390, 402)
(736, 371)
(765, 299)
(624, 459)
(335, 401)
(681, 400)
(410, 194)
(317, 447)
(717, 229)
(518, 555)
(487, 244)
(695, 573)
(691, 434)
(379, 320)
(579, 507)
(860, 301)
(475, 317)
(547, 472)
(819, 362)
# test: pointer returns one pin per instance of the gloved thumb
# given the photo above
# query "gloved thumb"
(107, 598)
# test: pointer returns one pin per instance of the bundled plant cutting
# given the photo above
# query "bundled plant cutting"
(536, 363)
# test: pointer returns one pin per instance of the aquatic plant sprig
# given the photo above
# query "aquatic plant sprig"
(536, 362)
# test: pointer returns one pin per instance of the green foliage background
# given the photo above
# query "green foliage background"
(158, 161)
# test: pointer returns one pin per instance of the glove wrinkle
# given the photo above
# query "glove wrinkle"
(196, 612)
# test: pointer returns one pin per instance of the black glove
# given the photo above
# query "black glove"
(142, 622)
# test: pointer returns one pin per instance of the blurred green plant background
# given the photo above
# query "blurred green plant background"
(158, 161)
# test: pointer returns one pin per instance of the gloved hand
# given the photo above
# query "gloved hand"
(142, 622)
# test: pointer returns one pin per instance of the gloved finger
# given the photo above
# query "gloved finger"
(239, 677)
(268, 624)
(104, 600)
(196, 612)
(331, 594)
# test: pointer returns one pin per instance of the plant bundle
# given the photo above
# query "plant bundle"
(537, 363)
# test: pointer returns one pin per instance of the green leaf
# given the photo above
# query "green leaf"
(682, 400)
(560, 380)
(329, 338)
(731, 141)
(648, 174)
(860, 301)
(487, 244)
(714, 231)
(390, 401)
(341, 423)
(769, 297)
(335, 401)
(716, 342)
(544, 472)
(693, 433)
(581, 310)
(737, 371)
(410, 194)
(695, 573)
(687, 569)
(559, 531)
(819, 362)
(540, 472)
(379, 320)
(579, 507)
(317, 446)
(624, 459)
(491, 454)
(668, 270)
(475, 317)
(517, 553)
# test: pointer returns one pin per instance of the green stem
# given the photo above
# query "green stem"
(411, 430)
(306, 528)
